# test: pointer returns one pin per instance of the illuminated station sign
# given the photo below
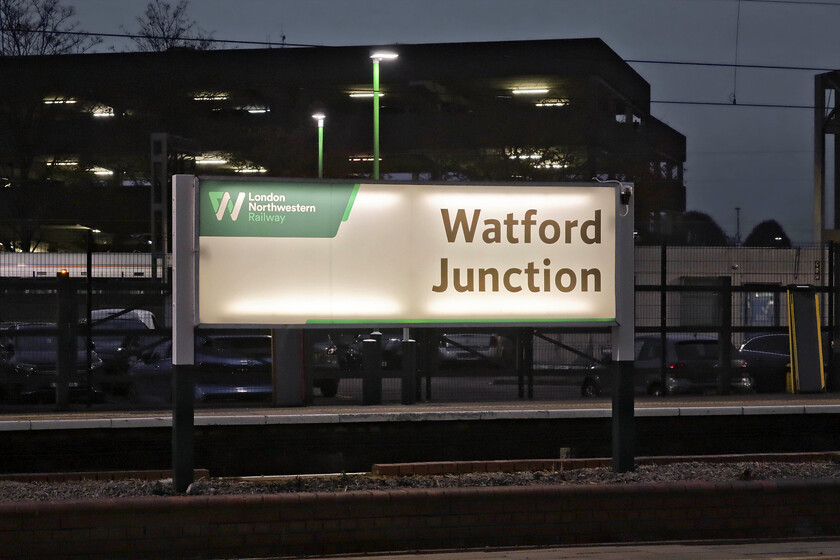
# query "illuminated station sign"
(332, 253)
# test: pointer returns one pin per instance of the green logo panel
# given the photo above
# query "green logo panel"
(273, 209)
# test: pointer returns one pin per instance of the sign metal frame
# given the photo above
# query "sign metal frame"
(498, 254)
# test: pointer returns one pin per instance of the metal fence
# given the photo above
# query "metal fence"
(121, 311)
(686, 288)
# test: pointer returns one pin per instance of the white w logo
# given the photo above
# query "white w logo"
(222, 202)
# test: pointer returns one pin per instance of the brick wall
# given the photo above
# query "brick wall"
(358, 522)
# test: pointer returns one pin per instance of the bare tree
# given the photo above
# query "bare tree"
(768, 233)
(701, 229)
(164, 26)
(41, 27)
(27, 28)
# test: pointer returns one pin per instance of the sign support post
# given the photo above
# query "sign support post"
(66, 339)
(623, 335)
(183, 329)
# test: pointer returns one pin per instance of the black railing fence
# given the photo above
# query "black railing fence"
(119, 306)
(686, 288)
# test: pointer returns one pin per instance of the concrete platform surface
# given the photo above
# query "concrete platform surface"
(692, 406)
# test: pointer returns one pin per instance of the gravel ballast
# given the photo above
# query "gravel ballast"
(693, 471)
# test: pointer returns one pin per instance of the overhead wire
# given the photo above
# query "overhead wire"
(270, 44)
(730, 104)
(737, 45)
(284, 43)
(796, 2)
(730, 65)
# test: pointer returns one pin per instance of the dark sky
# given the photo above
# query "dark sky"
(759, 159)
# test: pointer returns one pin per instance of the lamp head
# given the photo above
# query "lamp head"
(529, 91)
(383, 55)
(320, 118)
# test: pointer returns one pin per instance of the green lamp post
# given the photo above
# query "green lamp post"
(377, 57)
(320, 117)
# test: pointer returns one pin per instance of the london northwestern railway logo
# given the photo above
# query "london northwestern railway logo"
(222, 202)
(274, 209)
(261, 207)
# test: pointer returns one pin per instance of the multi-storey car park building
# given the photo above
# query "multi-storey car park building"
(93, 136)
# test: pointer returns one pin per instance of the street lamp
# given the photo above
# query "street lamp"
(376, 58)
(320, 118)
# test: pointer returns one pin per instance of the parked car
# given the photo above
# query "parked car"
(228, 367)
(692, 365)
(341, 351)
(336, 351)
(767, 357)
(29, 364)
(474, 349)
(338, 354)
(118, 337)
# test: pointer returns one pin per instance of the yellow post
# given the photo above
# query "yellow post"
(789, 388)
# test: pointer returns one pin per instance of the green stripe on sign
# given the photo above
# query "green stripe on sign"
(350, 203)
(458, 321)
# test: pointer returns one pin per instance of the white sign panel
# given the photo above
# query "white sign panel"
(282, 253)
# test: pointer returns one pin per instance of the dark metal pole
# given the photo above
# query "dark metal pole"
(520, 363)
(423, 361)
(834, 310)
(183, 328)
(725, 336)
(663, 308)
(183, 417)
(623, 337)
(624, 423)
(432, 360)
(89, 317)
(371, 372)
(409, 373)
(65, 359)
(528, 360)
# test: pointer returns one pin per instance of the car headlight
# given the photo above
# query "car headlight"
(25, 369)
